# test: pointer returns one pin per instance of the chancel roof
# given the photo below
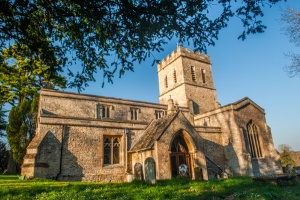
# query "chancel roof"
(152, 133)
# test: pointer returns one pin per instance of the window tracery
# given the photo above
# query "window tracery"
(193, 73)
(254, 141)
(111, 147)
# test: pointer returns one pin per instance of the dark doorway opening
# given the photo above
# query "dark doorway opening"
(179, 155)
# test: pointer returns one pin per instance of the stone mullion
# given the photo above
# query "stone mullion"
(250, 144)
(251, 141)
(257, 142)
(259, 146)
(98, 111)
(111, 151)
(102, 151)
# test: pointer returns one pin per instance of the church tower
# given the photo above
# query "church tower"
(186, 77)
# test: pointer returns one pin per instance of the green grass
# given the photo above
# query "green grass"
(234, 188)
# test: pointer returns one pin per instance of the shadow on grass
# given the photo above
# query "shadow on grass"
(234, 188)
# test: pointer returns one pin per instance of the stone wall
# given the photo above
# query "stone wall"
(230, 139)
(140, 157)
(161, 149)
(42, 157)
(197, 87)
(233, 119)
(269, 162)
(195, 147)
(82, 155)
(54, 103)
(213, 144)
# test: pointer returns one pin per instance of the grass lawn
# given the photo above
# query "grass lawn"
(234, 188)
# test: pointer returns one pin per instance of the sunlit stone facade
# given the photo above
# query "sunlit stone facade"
(94, 138)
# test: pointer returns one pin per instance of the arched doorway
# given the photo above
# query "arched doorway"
(179, 155)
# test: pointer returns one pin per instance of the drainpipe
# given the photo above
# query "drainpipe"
(61, 152)
(125, 148)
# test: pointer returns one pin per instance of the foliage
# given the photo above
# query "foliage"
(285, 155)
(4, 156)
(21, 127)
(2, 121)
(23, 75)
(292, 18)
(234, 188)
(62, 33)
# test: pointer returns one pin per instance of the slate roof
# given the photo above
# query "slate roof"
(152, 133)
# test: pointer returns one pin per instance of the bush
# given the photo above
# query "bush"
(4, 156)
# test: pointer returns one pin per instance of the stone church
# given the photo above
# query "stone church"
(95, 138)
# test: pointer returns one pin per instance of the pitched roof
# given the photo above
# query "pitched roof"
(152, 133)
(243, 102)
(238, 105)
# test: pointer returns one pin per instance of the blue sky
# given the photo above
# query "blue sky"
(252, 68)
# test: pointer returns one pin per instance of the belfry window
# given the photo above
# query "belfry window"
(166, 82)
(111, 151)
(174, 76)
(134, 113)
(203, 75)
(193, 73)
(254, 141)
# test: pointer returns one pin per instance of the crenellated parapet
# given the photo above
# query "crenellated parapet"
(183, 52)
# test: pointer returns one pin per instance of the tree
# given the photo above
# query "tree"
(23, 75)
(2, 121)
(292, 18)
(4, 156)
(65, 32)
(285, 155)
(21, 127)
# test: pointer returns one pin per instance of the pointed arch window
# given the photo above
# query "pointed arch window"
(254, 141)
(193, 73)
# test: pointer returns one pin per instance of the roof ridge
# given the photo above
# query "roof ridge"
(152, 132)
